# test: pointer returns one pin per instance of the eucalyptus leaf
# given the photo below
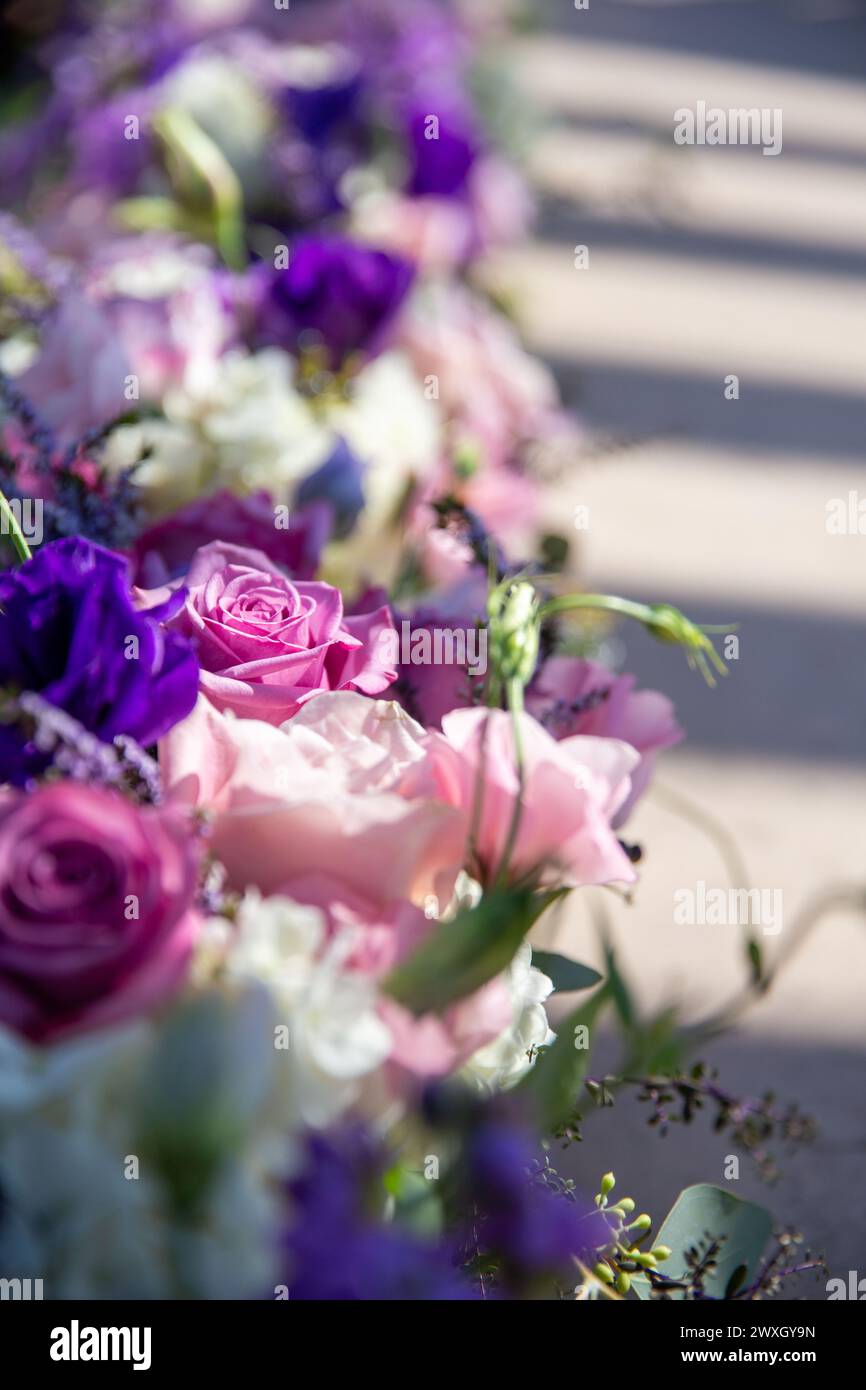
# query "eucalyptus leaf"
(462, 955)
(566, 974)
(704, 1210)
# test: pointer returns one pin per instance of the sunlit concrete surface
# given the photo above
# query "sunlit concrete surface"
(704, 263)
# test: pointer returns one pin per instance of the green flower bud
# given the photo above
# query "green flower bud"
(668, 624)
(603, 1272)
(514, 630)
(608, 1183)
(623, 1282)
(624, 1204)
(661, 1252)
(645, 1261)
(641, 1223)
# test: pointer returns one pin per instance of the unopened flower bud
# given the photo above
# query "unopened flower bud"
(603, 1272)
(661, 1252)
(514, 630)
(623, 1282)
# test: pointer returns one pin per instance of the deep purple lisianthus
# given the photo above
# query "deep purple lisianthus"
(534, 1232)
(69, 631)
(338, 1250)
(443, 149)
(318, 111)
(335, 292)
(164, 551)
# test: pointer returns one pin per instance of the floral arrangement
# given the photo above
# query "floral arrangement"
(302, 725)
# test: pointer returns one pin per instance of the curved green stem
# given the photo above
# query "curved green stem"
(10, 527)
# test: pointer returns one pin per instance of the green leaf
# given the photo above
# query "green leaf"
(462, 955)
(552, 1086)
(417, 1207)
(619, 990)
(705, 1210)
(566, 974)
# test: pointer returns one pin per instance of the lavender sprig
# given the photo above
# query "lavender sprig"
(78, 754)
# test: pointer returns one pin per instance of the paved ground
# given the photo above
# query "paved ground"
(706, 262)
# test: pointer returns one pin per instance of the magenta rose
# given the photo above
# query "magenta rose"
(267, 644)
(96, 908)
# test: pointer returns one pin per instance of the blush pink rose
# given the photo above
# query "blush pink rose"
(96, 908)
(320, 795)
(267, 644)
(574, 696)
(572, 790)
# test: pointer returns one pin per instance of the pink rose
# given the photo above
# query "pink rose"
(267, 644)
(96, 915)
(573, 696)
(572, 790)
(321, 795)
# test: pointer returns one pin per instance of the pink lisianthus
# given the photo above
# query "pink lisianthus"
(453, 336)
(96, 908)
(572, 790)
(77, 382)
(267, 644)
(321, 795)
(572, 696)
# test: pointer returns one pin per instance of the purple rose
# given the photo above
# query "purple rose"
(163, 551)
(70, 633)
(336, 293)
(96, 915)
(267, 644)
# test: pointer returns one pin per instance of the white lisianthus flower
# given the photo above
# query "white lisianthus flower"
(335, 1037)
(502, 1062)
(242, 427)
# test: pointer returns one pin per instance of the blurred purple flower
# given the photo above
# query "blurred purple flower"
(533, 1230)
(164, 550)
(338, 1249)
(442, 149)
(337, 483)
(335, 292)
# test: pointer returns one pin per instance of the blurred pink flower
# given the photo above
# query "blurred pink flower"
(77, 382)
(572, 791)
(572, 696)
(454, 336)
